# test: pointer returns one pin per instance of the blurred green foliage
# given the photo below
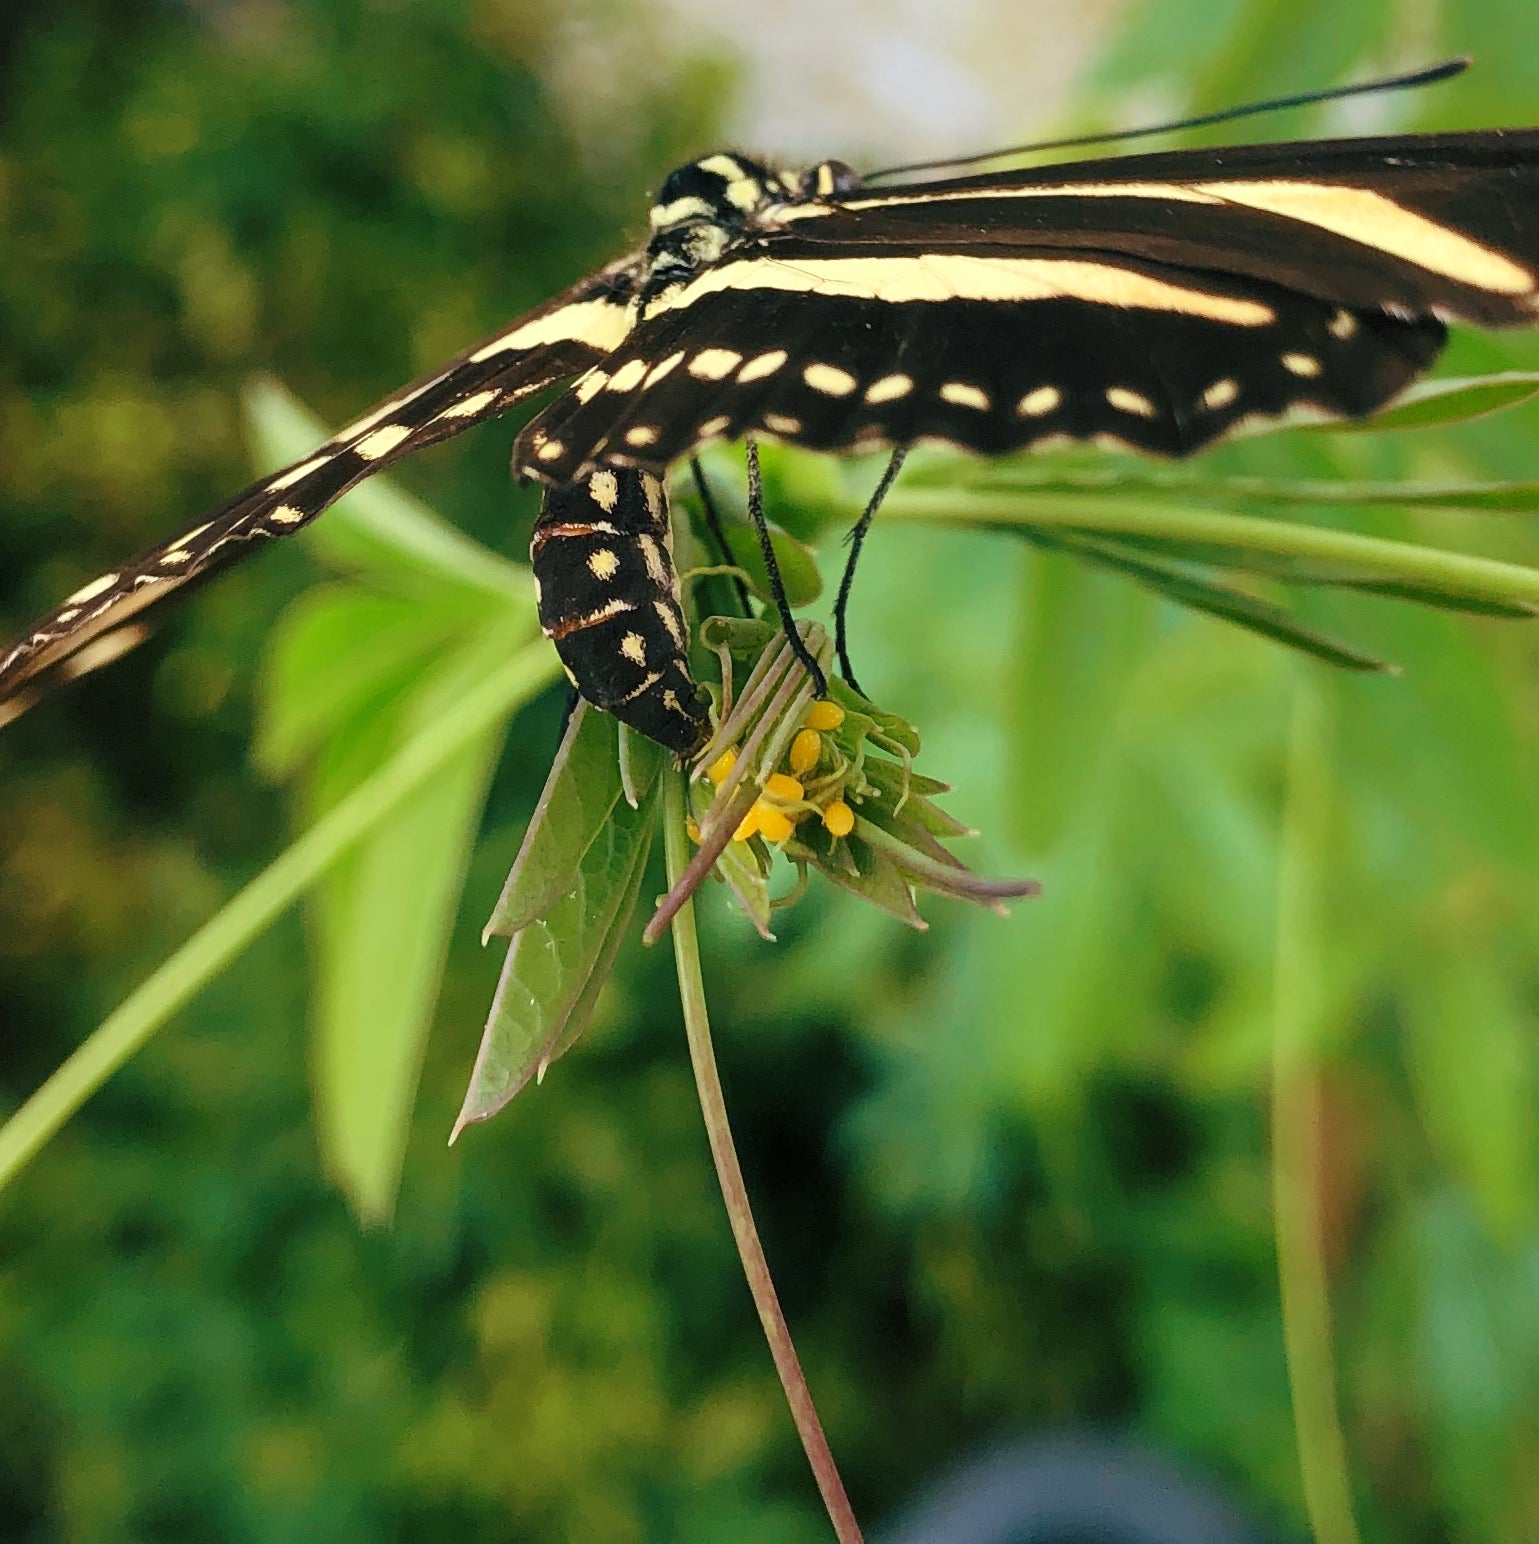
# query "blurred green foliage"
(1011, 1175)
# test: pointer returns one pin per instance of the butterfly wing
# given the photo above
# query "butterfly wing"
(1446, 224)
(99, 621)
(1156, 301)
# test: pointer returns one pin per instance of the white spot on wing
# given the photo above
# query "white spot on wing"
(829, 379)
(1342, 325)
(642, 434)
(628, 376)
(889, 389)
(603, 564)
(634, 647)
(665, 367)
(1220, 394)
(1039, 402)
(782, 423)
(714, 364)
(963, 394)
(471, 404)
(1305, 365)
(286, 514)
(381, 442)
(763, 365)
(1128, 401)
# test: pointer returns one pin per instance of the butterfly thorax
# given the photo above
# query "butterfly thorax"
(705, 206)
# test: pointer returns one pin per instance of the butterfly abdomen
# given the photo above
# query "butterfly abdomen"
(608, 597)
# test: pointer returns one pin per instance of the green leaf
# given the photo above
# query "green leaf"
(377, 528)
(1199, 591)
(1227, 492)
(1430, 403)
(556, 963)
(385, 917)
(1369, 558)
(584, 788)
(335, 651)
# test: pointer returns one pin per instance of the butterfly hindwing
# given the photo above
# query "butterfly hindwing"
(559, 339)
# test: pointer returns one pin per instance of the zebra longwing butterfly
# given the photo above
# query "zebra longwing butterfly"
(1154, 301)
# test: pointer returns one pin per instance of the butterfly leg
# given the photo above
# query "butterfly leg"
(777, 584)
(714, 526)
(857, 539)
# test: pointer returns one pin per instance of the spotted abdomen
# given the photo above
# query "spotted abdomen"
(609, 600)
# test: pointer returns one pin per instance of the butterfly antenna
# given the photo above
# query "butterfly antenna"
(1429, 76)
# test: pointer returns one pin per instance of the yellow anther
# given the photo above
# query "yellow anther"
(805, 750)
(775, 825)
(749, 824)
(824, 715)
(839, 818)
(781, 786)
(721, 768)
(692, 826)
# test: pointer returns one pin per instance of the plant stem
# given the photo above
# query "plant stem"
(1297, 1160)
(265, 898)
(697, 1027)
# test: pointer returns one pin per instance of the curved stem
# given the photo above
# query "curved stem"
(697, 1028)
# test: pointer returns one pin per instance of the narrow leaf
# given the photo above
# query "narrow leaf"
(1226, 492)
(1199, 591)
(1234, 536)
(1445, 402)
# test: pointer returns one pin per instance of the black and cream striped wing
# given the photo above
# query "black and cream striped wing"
(1155, 301)
(102, 619)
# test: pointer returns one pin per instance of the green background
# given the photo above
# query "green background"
(1013, 1176)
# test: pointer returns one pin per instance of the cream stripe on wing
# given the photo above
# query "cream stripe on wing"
(1364, 216)
(602, 323)
(1359, 214)
(930, 277)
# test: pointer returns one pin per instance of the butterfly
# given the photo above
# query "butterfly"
(1156, 301)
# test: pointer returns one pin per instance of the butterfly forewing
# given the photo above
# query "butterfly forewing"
(559, 339)
(1447, 224)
